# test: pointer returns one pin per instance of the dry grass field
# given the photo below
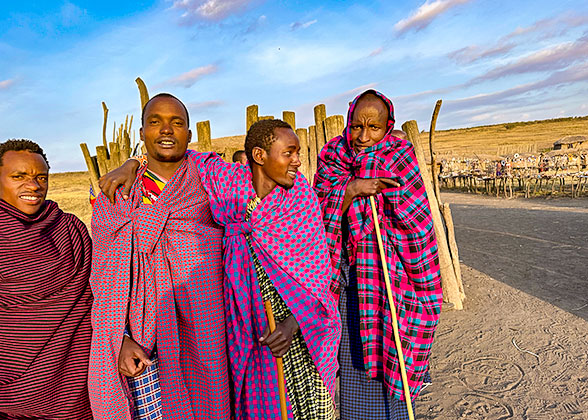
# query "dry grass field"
(507, 137)
(71, 191)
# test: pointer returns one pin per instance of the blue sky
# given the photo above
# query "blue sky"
(490, 61)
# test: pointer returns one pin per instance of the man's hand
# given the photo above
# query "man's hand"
(279, 341)
(366, 187)
(125, 175)
(132, 360)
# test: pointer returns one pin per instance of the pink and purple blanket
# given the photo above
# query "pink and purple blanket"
(410, 246)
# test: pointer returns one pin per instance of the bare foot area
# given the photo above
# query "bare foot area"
(519, 349)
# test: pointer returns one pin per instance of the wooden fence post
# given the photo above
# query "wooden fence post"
(320, 115)
(204, 140)
(451, 290)
(312, 150)
(252, 116)
(143, 93)
(332, 126)
(302, 134)
(290, 118)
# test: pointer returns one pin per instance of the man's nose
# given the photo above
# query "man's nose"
(363, 135)
(166, 128)
(33, 184)
(296, 160)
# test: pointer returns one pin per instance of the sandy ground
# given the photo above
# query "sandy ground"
(520, 348)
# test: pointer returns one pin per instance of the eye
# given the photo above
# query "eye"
(179, 123)
(17, 177)
(153, 122)
(43, 178)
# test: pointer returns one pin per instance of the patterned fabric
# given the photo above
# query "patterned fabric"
(361, 397)
(146, 393)
(45, 307)
(409, 243)
(172, 252)
(308, 396)
(288, 238)
(152, 186)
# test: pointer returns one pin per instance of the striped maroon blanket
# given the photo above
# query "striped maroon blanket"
(45, 304)
(172, 251)
(409, 242)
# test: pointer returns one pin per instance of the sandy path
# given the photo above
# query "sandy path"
(478, 371)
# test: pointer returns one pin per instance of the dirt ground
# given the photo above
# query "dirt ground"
(519, 349)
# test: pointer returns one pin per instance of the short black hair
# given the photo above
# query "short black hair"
(261, 134)
(237, 155)
(164, 95)
(21, 145)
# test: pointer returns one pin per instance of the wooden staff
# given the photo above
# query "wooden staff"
(279, 363)
(392, 311)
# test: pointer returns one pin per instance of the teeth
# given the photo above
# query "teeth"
(167, 143)
(29, 197)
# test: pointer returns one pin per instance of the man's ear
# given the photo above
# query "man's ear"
(259, 155)
(189, 136)
(141, 135)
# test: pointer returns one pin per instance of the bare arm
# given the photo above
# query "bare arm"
(364, 187)
(124, 175)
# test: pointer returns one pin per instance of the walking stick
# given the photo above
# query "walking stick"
(279, 363)
(393, 311)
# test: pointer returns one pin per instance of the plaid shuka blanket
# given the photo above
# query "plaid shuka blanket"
(288, 238)
(172, 251)
(409, 243)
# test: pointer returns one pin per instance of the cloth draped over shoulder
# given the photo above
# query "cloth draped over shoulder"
(45, 308)
(409, 243)
(163, 262)
(288, 238)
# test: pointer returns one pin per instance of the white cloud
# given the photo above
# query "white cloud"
(190, 77)
(299, 25)
(5, 84)
(210, 9)
(425, 14)
(199, 106)
(555, 57)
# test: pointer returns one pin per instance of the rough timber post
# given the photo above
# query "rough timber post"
(302, 134)
(434, 169)
(252, 116)
(290, 118)
(332, 126)
(203, 131)
(451, 292)
(320, 115)
(105, 110)
(143, 93)
(312, 150)
(92, 168)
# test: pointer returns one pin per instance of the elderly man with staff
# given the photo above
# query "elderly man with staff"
(371, 161)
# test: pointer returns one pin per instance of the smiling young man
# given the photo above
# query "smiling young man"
(45, 298)
(370, 158)
(159, 346)
(274, 250)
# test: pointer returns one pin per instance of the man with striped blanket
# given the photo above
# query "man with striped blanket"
(371, 159)
(159, 346)
(45, 296)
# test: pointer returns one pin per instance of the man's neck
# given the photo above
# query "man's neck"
(261, 184)
(164, 169)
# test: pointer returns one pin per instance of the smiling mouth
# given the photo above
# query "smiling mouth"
(292, 173)
(166, 142)
(30, 198)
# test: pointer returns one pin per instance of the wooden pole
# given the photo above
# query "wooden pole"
(332, 127)
(320, 115)
(302, 134)
(453, 247)
(143, 92)
(312, 149)
(434, 169)
(105, 111)
(279, 364)
(102, 157)
(290, 118)
(203, 132)
(252, 116)
(384, 261)
(92, 169)
(449, 283)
